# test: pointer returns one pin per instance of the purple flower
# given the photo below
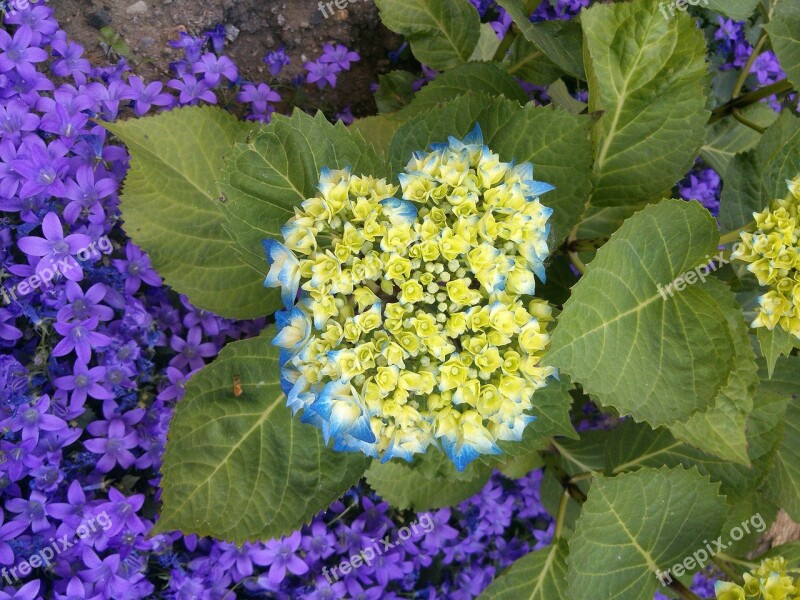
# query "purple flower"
(136, 269)
(68, 60)
(17, 51)
(75, 510)
(86, 192)
(214, 68)
(9, 531)
(190, 351)
(80, 337)
(29, 591)
(192, 91)
(16, 119)
(41, 167)
(115, 448)
(323, 74)
(8, 332)
(122, 511)
(281, 556)
(260, 96)
(149, 95)
(34, 418)
(55, 249)
(217, 38)
(77, 590)
(32, 512)
(338, 55)
(84, 382)
(277, 60)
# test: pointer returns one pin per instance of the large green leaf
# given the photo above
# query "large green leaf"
(784, 33)
(734, 9)
(540, 575)
(560, 41)
(647, 77)
(774, 344)
(758, 177)
(242, 468)
(526, 61)
(278, 167)
(171, 208)
(443, 33)
(626, 341)
(727, 138)
(556, 142)
(783, 484)
(475, 78)
(720, 430)
(637, 524)
(431, 482)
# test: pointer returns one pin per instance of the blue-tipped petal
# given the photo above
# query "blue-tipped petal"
(294, 329)
(537, 188)
(461, 456)
(284, 270)
(400, 212)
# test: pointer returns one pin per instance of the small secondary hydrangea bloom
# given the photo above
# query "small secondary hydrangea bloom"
(774, 256)
(416, 322)
(771, 581)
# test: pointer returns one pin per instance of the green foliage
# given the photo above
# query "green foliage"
(432, 482)
(727, 138)
(540, 575)
(242, 468)
(171, 207)
(443, 33)
(650, 89)
(278, 167)
(656, 359)
(394, 91)
(733, 9)
(542, 136)
(756, 178)
(526, 61)
(774, 344)
(560, 41)
(784, 33)
(636, 524)
(783, 486)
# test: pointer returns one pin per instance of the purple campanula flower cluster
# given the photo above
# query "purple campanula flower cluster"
(335, 59)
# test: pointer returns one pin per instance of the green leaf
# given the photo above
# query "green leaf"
(561, 98)
(278, 168)
(242, 468)
(526, 61)
(539, 135)
(637, 524)
(431, 482)
(171, 208)
(442, 33)
(632, 446)
(647, 77)
(738, 10)
(774, 344)
(626, 341)
(394, 91)
(475, 78)
(727, 138)
(378, 131)
(487, 44)
(783, 483)
(758, 177)
(784, 33)
(720, 430)
(540, 575)
(561, 41)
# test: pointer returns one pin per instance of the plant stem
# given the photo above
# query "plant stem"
(784, 85)
(560, 517)
(733, 236)
(563, 478)
(683, 592)
(736, 561)
(728, 570)
(737, 88)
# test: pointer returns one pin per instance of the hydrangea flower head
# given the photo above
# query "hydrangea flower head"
(774, 256)
(410, 318)
(772, 580)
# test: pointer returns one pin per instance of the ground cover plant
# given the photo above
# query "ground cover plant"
(529, 331)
